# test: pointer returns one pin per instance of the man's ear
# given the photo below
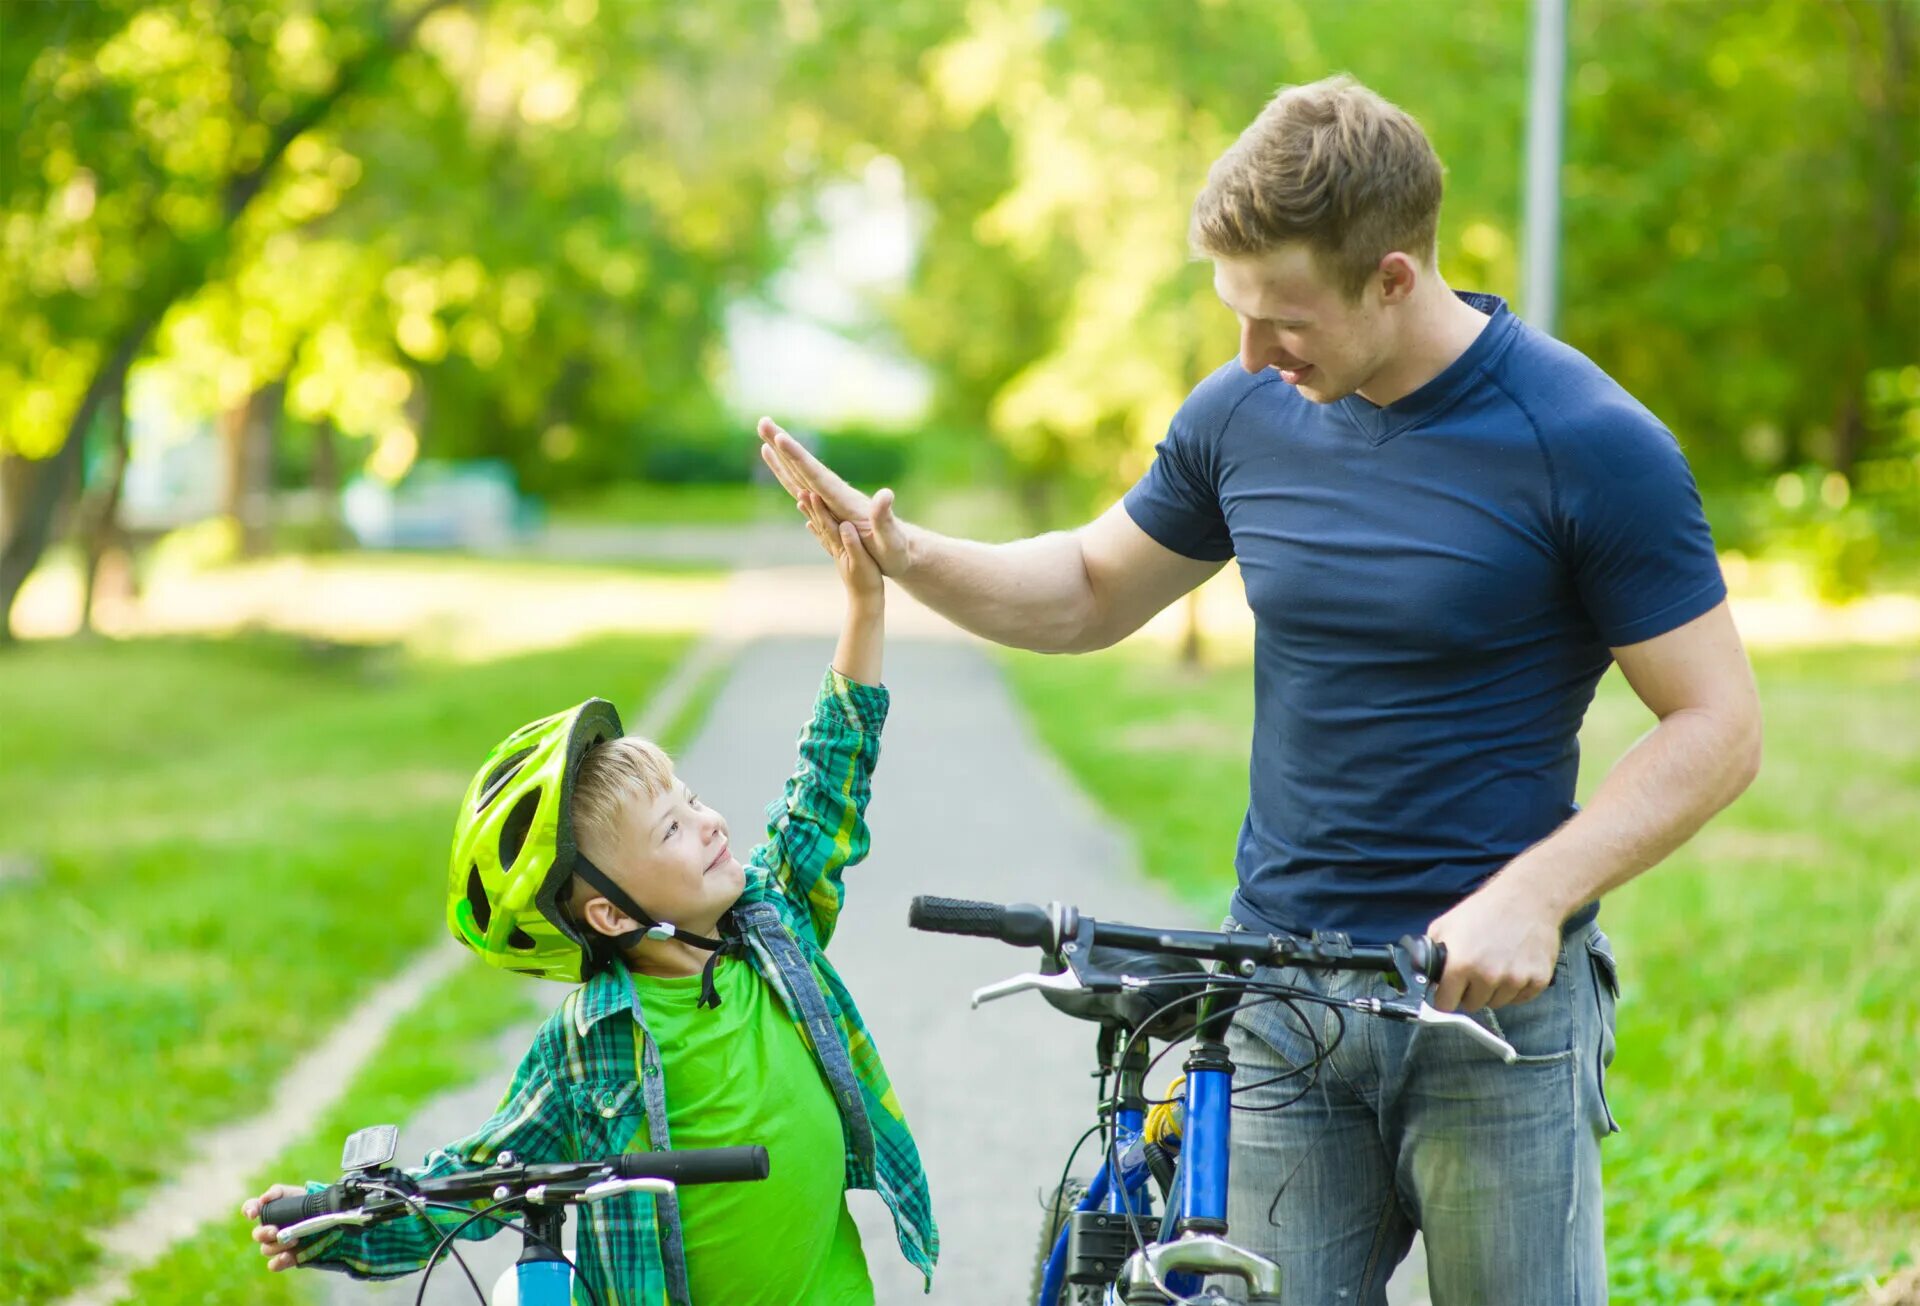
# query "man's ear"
(607, 919)
(1398, 276)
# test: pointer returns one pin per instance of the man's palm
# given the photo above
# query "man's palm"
(827, 500)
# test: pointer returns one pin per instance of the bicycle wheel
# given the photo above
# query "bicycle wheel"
(1057, 1208)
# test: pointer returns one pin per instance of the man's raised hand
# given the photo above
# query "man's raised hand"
(826, 500)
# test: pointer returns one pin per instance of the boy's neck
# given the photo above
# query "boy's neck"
(669, 958)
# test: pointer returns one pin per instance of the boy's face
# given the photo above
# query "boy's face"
(674, 856)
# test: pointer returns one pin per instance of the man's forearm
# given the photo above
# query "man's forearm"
(1656, 797)
(1031, 593)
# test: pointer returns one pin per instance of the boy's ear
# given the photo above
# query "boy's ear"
(605, 918)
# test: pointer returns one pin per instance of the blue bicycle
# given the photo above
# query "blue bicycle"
(372, 1191)
(1102, 1242)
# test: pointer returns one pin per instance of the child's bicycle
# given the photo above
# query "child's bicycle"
(1102, 1242)
(372, 1191)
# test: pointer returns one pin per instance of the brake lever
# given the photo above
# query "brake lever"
(1064, 982)
(614, 1187)
(1418, 985)
(1427, 1014)
(319, 1224)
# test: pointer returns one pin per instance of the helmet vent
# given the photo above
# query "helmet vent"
(513, 830)
(477, 899)
(497, 778)
(520, 939)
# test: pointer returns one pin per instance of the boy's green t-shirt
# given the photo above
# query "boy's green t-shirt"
(737, 1074)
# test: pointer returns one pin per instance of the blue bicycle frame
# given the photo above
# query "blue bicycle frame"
(543, 1277)
(1198, 1201)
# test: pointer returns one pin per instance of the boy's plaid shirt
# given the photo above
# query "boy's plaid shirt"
(592, 1085)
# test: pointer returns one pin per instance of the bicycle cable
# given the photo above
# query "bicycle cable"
(487, 1212)
(419, 1205)
(1271, 993)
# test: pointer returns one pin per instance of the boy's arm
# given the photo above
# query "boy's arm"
(818, 827)
(531, 1122)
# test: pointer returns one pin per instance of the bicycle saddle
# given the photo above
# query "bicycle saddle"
(1168, 978)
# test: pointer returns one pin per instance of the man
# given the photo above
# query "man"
(1448, 526)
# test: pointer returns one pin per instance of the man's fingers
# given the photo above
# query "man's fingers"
(842, 499)
(781, 472)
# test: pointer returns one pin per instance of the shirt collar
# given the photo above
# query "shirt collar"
(606, 994)
(1381, 424)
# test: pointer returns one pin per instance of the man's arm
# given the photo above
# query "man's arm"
(1502, 941)
(1065, 592)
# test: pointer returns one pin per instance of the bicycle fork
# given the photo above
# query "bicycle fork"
(1197, 1210)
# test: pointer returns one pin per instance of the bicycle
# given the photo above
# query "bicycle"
(1141, 984)
(372, 1191)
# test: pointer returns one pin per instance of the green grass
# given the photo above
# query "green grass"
(446, 1042)
(1768, 1077)
(644, 503)
(237, 838)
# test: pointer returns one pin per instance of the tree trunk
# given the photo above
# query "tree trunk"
(1191, 649)
(100, 510)
(326, 485)
(29, 520)
(248, 432)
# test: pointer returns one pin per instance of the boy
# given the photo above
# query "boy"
(710, 1015)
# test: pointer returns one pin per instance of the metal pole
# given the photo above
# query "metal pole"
(1546, 124)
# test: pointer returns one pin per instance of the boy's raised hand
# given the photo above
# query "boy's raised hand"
(858, 571)
(279, 1255)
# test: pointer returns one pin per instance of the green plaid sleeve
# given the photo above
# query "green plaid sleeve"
(532, 1122)
(817, 828)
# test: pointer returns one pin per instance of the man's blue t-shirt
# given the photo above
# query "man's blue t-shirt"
(1436, 586)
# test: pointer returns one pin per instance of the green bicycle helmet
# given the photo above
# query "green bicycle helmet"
(513, 848)
(514, 856)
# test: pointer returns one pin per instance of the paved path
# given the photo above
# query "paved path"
(966, 803)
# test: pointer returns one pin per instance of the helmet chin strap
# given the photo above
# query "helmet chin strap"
(730, 944)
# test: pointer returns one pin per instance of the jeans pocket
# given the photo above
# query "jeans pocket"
(1606, 995)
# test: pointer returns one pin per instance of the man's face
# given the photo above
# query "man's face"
(676, 860)
(1294, 319)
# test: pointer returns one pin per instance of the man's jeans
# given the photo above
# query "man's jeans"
(1419, 1127)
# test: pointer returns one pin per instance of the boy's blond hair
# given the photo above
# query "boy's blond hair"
(614, 774)
(1331, 164)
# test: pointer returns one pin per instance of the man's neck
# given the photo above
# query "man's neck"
(1442, 327)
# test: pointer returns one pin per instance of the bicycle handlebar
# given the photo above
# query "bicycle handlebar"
(712, 1165)
(1025, 925)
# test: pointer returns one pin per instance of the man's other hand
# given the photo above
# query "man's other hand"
(1499, 952)
(826, 500)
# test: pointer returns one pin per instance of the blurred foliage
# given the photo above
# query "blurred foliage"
(512, 229)
(1739, 231)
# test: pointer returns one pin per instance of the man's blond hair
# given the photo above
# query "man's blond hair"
(1330, 164)
(614, 774)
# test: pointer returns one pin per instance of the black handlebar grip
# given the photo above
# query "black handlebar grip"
(284, 1211)
(1428, 956)
(709, 1165)
(957, 916)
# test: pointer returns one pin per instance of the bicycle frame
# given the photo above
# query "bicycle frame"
(1197, 1204)
(1190, 1245)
